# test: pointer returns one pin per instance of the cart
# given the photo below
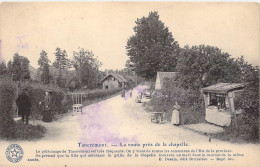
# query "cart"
(156, 117)
(138, 100)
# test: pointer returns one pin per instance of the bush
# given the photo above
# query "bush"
(192, 106)
(9, 129)
(248, 101)
(7, 96)
(99, 93)
(60, 102)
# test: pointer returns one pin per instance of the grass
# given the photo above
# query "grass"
(21, 131)
(242, 134)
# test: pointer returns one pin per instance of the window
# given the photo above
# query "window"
(218, 100)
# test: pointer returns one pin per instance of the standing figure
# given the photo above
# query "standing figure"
(176, 114)
(131, 92)
(24, 105)
(123, 93)
(47, 111)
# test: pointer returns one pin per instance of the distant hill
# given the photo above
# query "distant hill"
(33, 72)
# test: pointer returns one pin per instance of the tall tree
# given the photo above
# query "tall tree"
(87, 67)
(61, 61)
(152, 48)
(19, 68)
(43, 62)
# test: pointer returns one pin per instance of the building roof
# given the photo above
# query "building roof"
(223, 88)
(118, 77)
(121, 77)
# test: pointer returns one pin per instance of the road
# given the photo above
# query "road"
(121, 121)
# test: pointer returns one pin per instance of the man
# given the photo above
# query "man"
(24, 105)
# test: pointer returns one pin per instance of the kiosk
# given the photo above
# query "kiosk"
(219, 103)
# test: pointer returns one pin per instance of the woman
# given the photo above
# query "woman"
(176, 114)
(47, 112)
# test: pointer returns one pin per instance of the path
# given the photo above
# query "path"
(120, 120)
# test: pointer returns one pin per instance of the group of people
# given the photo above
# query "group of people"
(24, 106)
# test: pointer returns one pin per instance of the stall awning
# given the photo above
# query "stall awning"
(223, 88)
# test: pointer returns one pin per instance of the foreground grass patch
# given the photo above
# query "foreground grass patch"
(243, 134)
(21, 131)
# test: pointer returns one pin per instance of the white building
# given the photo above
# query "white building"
(161, 76)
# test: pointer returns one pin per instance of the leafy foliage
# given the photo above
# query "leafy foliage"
(10, 129)
(201, 66)
(152, 48)
(61, 61)
(3, 68)
(18, 68)
(87, 68)
(43, 62)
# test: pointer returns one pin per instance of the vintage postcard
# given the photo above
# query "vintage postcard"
(129, 84)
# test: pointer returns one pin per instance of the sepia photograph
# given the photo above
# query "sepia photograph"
(144, 84)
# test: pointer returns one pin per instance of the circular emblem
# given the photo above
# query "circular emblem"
(14, 153)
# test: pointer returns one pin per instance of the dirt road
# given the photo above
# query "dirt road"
(119, 121)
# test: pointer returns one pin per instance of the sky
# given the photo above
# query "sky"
(104, 27)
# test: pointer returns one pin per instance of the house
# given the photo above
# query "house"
(219, 103)
(111, 81)
(161, 76)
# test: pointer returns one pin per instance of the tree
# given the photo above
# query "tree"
(128, 68)
(19, 68)
(87, 67)
(3, 68)
(152, 48)
(43, 59)
(61, 65)
(43, 62)
(202, 65)
(61, 61)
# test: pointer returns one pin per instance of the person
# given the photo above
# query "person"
(47, 111)
(176, 114)
(123, 93)
(131, 91)
(24, 105)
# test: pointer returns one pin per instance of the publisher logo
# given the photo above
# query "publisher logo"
(14, 153)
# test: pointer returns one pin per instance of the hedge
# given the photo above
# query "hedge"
(10, 129)
(7, 96)
(192, 106)
(60, 102)
(99, 93)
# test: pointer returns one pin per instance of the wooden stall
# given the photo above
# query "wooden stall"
(219, 103)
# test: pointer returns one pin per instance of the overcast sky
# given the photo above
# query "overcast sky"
(104, 28)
